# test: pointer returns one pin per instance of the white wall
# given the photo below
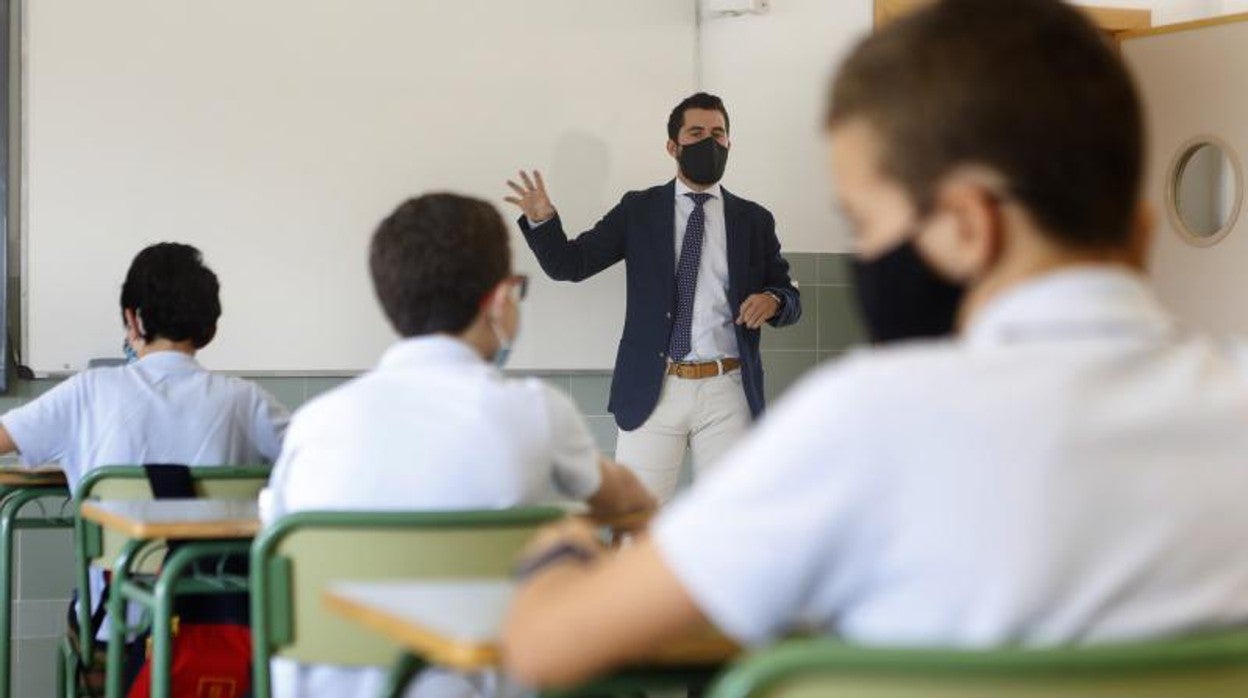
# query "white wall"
(772, 71)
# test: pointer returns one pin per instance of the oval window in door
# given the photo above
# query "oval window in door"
(1205, 191)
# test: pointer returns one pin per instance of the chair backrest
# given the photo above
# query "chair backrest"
(295, 559)
(100, 547)
(1209, 666)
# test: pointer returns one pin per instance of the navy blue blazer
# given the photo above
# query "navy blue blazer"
(641, 230)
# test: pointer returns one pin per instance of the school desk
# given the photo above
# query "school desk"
(457, 625)
(210, 527)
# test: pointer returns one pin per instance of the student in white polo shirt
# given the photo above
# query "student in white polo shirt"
(436, 425)
(161, 407)
(1069, 468)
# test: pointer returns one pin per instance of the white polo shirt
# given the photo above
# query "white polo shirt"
(1073, 469)
(433, 427)
(164, 408)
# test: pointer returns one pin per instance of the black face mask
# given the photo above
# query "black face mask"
(901, 297)
(703, 162)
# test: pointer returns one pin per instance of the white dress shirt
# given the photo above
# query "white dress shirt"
(433, 427)
(713, 333)
(164, 408)
(1073, 469)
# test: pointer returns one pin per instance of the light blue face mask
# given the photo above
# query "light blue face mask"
(504, 348)
(128, 350)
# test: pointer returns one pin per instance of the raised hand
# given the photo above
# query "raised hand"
(531, 198)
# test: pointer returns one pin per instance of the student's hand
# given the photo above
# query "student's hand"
(531, 198)
(758, 309)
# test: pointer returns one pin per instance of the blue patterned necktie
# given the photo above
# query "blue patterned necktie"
(687, 278)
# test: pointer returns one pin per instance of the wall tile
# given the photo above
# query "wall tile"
(289, 391)
(605, 432)
(804, 334)
(34, 668)
(45, 618)
(591, 392)
(839, 326)
(834, 269)
(315, 386)
(784, 368)
(45, 564)
(803, 268)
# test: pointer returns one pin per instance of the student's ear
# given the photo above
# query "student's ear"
(496, 303)
(966, 234)
(1140, 242)
(133, 332)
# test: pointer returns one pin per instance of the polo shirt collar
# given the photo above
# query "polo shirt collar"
(169, 362)
(1081, 302)
(428, 349)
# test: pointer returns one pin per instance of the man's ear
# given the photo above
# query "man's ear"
(672, 147)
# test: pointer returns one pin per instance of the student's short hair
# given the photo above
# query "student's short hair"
(701, 100)
(1029, 88)
(175, 295)
(434, 260)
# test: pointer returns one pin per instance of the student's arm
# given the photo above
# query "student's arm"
(42, 430)
(747, 549)
(581, 472)
(573, 621)
(6, 442)
(269, 421)
(620, 493)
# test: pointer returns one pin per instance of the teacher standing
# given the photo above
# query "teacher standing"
(704, 274)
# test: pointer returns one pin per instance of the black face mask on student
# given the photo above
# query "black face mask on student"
(703, 162)
(901, 297)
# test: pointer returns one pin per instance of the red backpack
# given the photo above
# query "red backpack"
(211, 632)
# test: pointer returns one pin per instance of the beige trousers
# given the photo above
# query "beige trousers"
(705, 416)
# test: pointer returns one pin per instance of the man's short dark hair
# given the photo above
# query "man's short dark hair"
(700, 100)
(434, 260)
(1029, 88)
(175, 295)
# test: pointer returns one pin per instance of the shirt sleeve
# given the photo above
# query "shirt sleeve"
(574, 453)
(754, 541)
(43, 428)
(270, 420)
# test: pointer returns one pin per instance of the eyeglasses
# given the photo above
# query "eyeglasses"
(517, 286)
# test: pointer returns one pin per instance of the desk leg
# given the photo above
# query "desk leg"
(117, 619)
(405, 669)
(174, 568)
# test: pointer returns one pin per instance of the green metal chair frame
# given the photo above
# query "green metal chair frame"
(1209, 665)
(294, 560)
(135, 564)
(13, 501)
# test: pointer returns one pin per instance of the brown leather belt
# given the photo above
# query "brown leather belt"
(709, 369)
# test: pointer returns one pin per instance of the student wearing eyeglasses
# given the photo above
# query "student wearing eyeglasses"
(436, 425)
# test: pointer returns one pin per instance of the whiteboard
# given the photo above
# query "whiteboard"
(1191, 82)
(275, 135)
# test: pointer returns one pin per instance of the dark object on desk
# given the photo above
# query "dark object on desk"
(105, 363)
